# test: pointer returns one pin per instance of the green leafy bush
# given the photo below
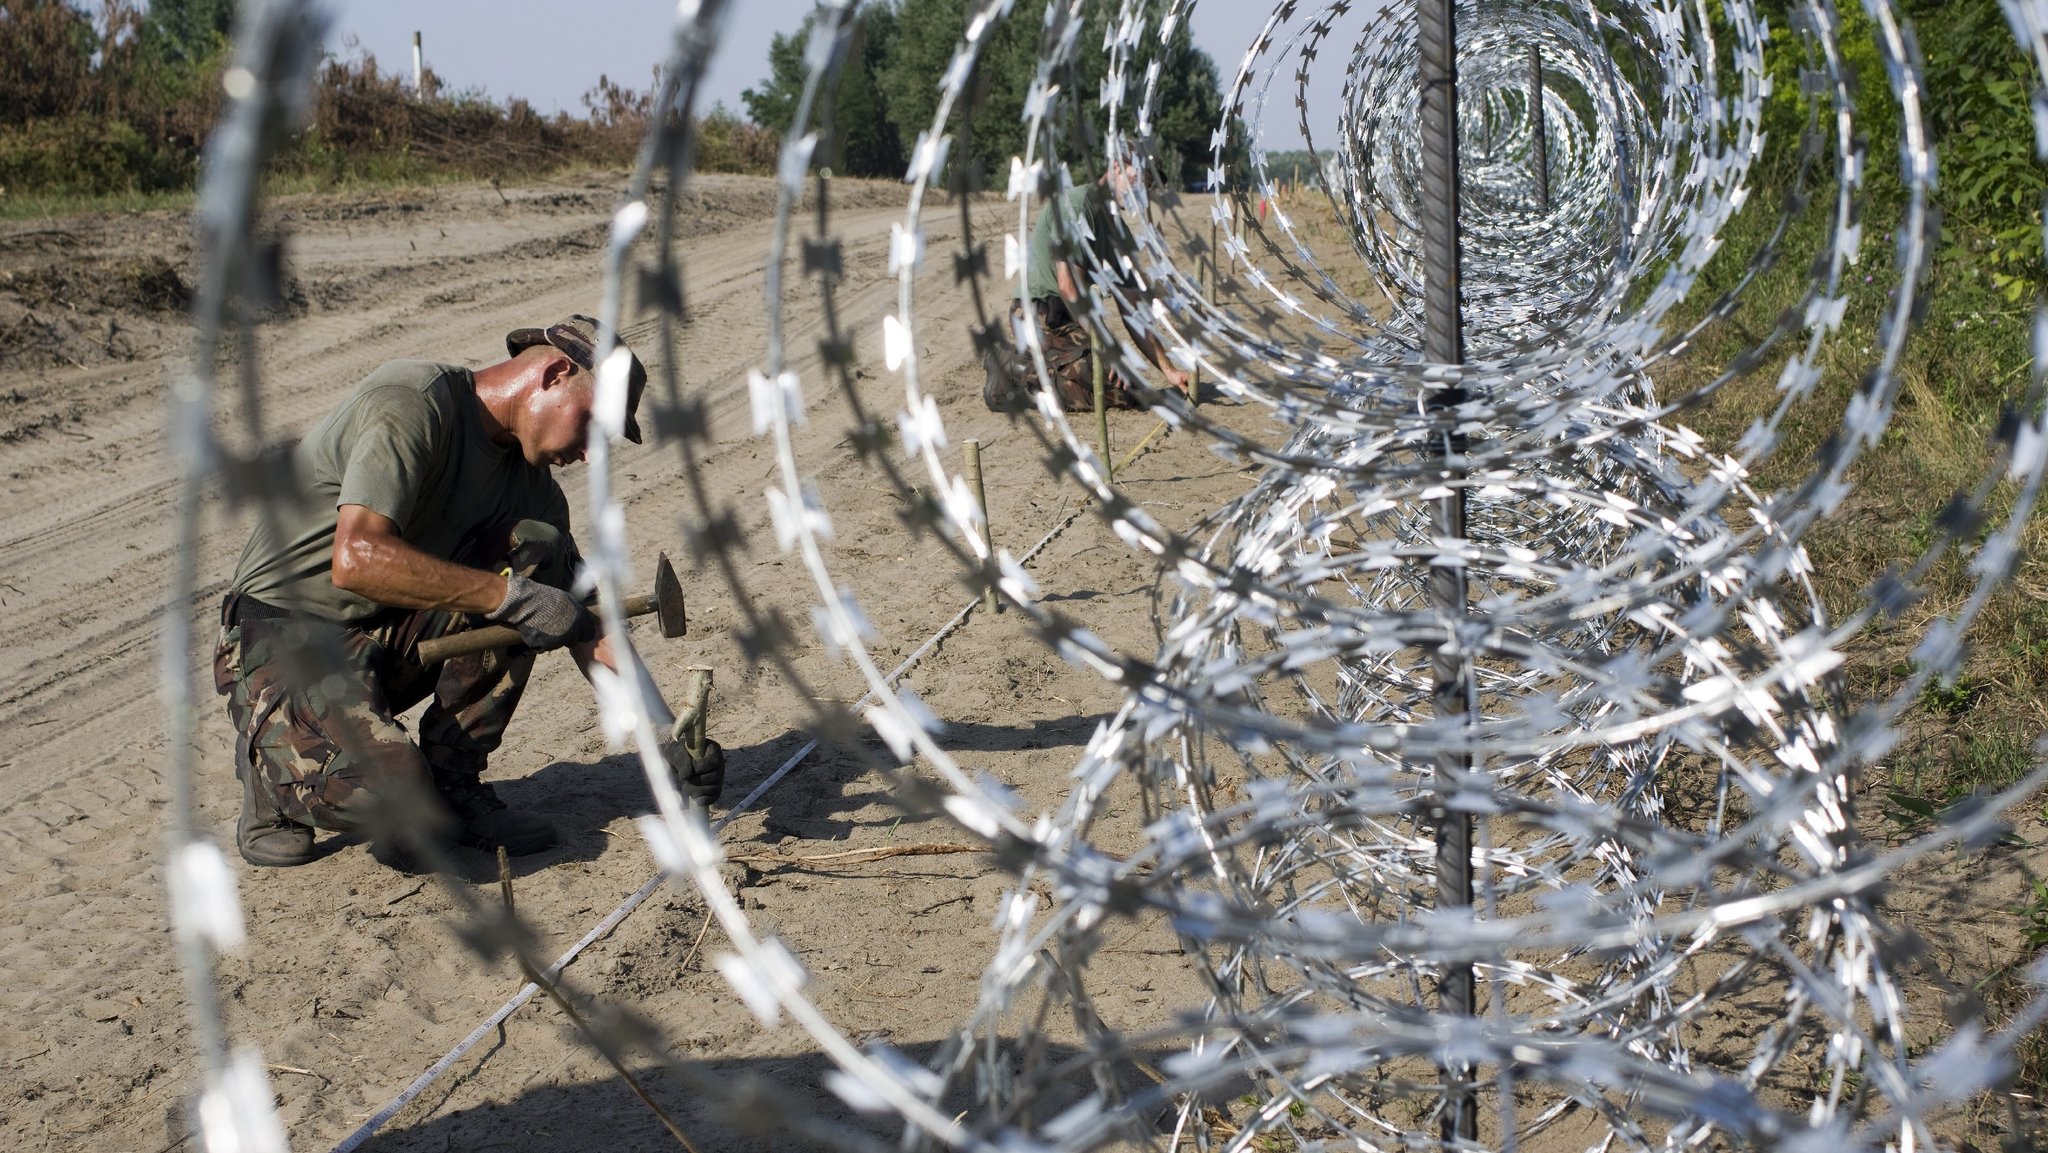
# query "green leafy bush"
(726, 143)
(83, 155)
(1980, 104)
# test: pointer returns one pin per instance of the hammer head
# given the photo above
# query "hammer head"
(668, 600)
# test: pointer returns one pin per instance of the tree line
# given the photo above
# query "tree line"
(121, 99)
(888, 89)
(118, 103)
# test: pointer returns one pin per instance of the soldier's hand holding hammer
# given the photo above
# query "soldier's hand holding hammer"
(546, 617)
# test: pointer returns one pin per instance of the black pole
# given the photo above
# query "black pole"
(1443, 342)
(1539, 130)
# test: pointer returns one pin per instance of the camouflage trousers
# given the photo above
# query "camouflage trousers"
(315, 703)
(1069, 361)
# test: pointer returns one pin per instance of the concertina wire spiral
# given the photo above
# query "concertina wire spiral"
(1637, 616)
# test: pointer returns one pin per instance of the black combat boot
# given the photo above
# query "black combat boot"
(264, 834)
(484, 822)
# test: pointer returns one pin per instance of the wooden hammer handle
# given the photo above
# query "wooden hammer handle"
(488, 637)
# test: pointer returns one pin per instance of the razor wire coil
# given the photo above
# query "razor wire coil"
(1640, 617)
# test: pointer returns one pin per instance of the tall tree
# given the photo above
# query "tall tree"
(1189, 106)
(888, 89)
(863, 140)
(993, 129)
(188, 31)
(46, 49)
(773, 104)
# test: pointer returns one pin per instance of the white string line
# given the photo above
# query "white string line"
(639, 896)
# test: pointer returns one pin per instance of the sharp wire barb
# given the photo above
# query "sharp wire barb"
(1495, 742)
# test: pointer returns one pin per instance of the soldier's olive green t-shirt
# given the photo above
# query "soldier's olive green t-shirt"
(1041, 278)
(408, 443)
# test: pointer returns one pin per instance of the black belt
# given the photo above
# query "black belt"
(239, 607)
(1054, 309)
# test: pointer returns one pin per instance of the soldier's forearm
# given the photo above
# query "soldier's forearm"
(1070, 286)
(1152, 346)
(376, 563)
(597, 652)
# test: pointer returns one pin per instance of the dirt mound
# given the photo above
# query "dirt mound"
(144, 284)
(93, 291)
(115, 289)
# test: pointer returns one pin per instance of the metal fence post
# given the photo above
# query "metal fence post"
(1539, 140)
(1444, 344)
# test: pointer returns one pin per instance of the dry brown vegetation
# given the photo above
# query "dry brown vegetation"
(118, 103)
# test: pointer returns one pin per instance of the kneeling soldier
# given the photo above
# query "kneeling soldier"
(426, 502)
(1077, 219)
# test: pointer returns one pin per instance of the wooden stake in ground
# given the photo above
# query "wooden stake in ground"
(1215, 275)
(1101, 405)
(972, 451)
(1195, 369)
(1215, 265)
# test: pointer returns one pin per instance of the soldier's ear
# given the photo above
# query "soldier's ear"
(556, 369)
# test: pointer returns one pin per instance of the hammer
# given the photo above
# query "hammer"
(665, 602)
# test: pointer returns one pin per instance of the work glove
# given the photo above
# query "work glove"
(698, 778)
(546, 617)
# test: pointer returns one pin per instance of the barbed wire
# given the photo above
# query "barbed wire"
(1632, 616)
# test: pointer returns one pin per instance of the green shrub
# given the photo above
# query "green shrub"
(82, 155)
(725, 143)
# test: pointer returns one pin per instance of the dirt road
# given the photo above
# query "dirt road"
(355, 979)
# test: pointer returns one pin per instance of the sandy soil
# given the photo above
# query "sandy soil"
(356, 978)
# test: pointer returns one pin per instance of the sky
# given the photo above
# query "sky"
(536, 50)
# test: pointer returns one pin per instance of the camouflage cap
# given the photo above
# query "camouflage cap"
(577, 337)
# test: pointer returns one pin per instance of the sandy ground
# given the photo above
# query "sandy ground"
(356, 978)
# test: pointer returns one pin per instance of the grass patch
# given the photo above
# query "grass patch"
(1965, 362)
(1972, 735)
(63, 205)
